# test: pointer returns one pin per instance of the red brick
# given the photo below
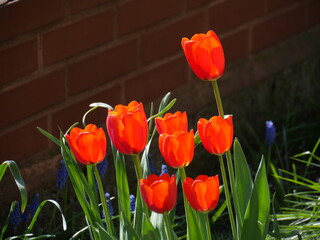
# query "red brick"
(18, 60)
(313, 12)
(140, 13)
(277, 28)
(236, 45)
(157, 82)
(167, 40)
(23, 142)
(69, 115)
(78, 5)
(233, 13)
(102, 67)
(25, 15)
(77, 37)
(31, 97)
(275, 4)
(195, 3)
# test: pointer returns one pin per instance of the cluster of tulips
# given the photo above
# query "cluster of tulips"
(130, 133)
(128, 130)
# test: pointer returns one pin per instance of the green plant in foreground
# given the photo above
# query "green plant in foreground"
(23, 193)
(301, 218)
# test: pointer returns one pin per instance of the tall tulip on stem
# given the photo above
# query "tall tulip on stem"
(128, 129)
(203, 194)
(89, 145)
(160, 194)
(205, 55)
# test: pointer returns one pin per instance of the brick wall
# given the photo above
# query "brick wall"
(57, 57)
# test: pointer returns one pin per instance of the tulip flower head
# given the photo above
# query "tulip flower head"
(202, 193)
(171, 123)
(88, 145)
(177, 149)
(128, 128)
(216, 134)
(205, 55)
(159, 193)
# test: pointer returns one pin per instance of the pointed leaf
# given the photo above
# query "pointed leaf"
(243, 183)
(101, 104)
(128, 232)
(103, 234)
(158, 223)
(34, 219)
(13, 167)
(50, 136)
(257, 212)
(148, 231)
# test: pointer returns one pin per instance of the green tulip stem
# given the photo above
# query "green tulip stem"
(203, 216)
(221, 114)
(218, 98)
(103, 200)
(185, 201)
(228, 155)
(168, 226)
(228, 197)
(137, 166)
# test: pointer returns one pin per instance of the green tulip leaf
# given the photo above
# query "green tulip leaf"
(257, 212)
(148, 231)
(101, 104)
(103, 234)
(50, 136)
(243, 183)
(126, 230)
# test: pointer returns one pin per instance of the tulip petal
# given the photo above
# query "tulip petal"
(200, 189)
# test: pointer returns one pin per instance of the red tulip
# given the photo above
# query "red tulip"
(171, 123)
(159, 193)
(202, 193)
(216, 134)
(177, 149)
(88, 145)
(205, 55)
(128, 128)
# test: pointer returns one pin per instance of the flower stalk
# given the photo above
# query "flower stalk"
(168, 226)
(138, 169)
(105, 208)
(229, 163)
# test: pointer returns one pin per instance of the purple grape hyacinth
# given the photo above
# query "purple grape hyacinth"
(15, 216)
(270, 133)
(62, 176)
(132, 203)
(164, 169)
(111, 211)
(102, 167)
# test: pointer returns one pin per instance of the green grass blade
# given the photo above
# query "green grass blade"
(103, 234)
(13, 167)
(50, 136)
(218, 212)
(101, 104)
(164, 110)
(123, 191)
(34, 219)
(5, 225)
